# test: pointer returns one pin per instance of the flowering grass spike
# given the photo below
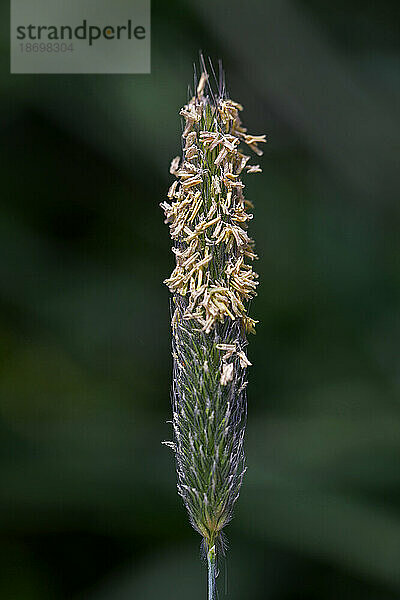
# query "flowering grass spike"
(212, 283)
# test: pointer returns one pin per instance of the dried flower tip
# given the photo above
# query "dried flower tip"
(227, 374)
(174, 165)
(254, 169)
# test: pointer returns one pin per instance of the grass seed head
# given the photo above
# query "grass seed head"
(211, 285)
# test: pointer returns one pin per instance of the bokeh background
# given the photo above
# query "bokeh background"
(88, 506)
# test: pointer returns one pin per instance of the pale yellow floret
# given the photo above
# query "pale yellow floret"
(174, 165)
(254, 169)
(207, 210)
(227, 374)
(191, 152)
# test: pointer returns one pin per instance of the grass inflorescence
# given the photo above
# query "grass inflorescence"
(211, 284)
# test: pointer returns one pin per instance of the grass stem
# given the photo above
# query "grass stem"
(212, 574)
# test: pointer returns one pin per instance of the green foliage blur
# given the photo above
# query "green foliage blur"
(88, 505)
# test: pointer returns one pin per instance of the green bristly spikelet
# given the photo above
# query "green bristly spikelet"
(211, 285)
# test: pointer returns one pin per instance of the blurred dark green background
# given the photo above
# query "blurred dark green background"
(88, 506)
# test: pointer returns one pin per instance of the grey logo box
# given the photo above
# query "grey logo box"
(80, 36)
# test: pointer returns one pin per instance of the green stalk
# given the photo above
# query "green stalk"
(212, 574)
